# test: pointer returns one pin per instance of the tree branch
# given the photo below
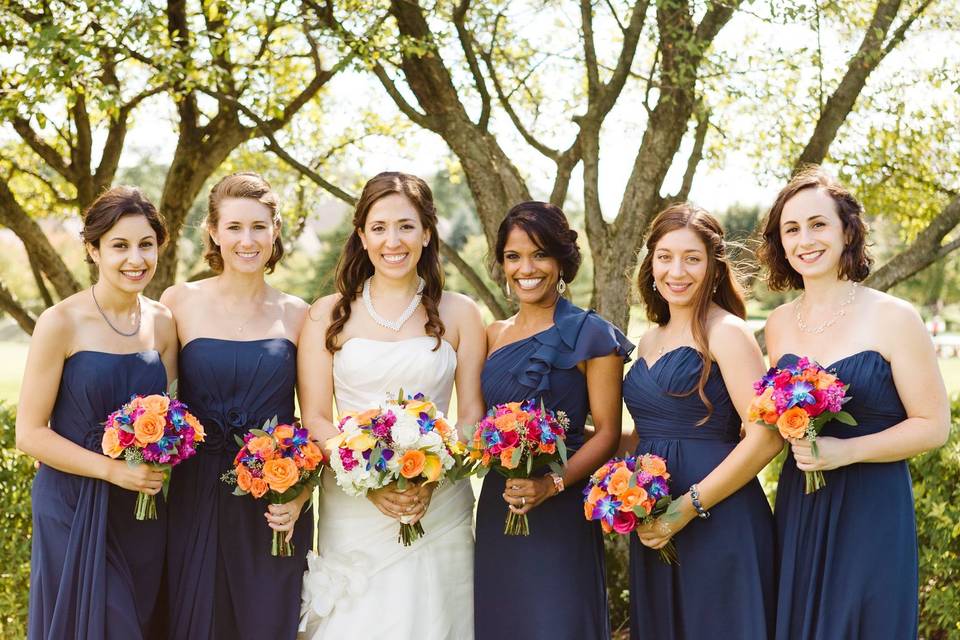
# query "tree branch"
(488, 297)
(417, 117)
(9, 304)
(466, 43)
(46, 152)
(696, 154)
(38, 278)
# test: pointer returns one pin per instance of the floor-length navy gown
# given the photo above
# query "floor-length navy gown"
(549, 585)
(723, 585)
(222, 580)
(847, 553)
(95, 570)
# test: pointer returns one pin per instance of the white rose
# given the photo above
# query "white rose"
(405, 431)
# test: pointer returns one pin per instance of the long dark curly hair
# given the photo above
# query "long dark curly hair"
(354, 266)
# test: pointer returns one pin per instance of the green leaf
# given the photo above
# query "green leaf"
(515, 457)
(172, 389)
(562, 449)
(482, 471)
(375, 456)
(402, 483)
(529, 464)
(260, 433)
(845, 418)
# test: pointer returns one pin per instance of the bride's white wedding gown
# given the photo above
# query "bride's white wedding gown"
(363, 583)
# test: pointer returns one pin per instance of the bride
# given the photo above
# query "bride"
(390, 327)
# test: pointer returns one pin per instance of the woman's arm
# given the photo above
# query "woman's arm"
(38, 392)
(471, 354)
(741, 363)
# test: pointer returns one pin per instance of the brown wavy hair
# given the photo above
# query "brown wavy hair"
(112, 205)
(720, 286)
(354, 266)
(243, 184)
(855, 261)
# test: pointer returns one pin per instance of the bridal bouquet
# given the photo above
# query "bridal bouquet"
(515, 438)
(278, 461)
(627, 492)
(406, 441)
(798, 401)
(156, 430)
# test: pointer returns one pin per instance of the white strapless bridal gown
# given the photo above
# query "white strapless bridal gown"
(363, 584)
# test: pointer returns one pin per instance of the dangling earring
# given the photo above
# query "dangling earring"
(561, 285)
(506, 289)
(654, 285)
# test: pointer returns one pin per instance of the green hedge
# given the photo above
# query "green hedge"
(16, 476)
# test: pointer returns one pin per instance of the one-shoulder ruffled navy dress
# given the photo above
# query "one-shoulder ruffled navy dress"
(723, 585)
(848, 552)
(549, 585)
(223, 582)
(95, 570)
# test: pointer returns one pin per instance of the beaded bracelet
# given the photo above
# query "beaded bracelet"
(695, 499)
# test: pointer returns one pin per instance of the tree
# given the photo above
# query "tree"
(212, 60)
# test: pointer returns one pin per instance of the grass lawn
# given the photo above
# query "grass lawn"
(13, 355)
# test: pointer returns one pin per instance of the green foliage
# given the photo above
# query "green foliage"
(16, 477)
(617, 551)
(936, 476)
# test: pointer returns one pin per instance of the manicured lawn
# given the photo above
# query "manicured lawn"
(13, 355)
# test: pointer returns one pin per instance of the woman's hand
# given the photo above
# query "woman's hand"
(832, 453)
(283, 517)
(658, 533)
(523, 494)
(423, 494)
(142, 478)
(397, 504)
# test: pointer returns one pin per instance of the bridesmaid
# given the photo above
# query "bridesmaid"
(688, 393)
(94, 570)
(847, 554)
(552, 583)
(239, 370)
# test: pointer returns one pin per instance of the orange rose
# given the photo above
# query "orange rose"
(588, 510)
(547, 447)
(312, 454)
(606, 527)
(198, 433)
(485, 459)
(259, 444)
(654, 466)
(619, 481)
(411, 463)
(156, 404)
(506, 458)
(595, 495)
(283, 432)
(244, 478)
(601, 473)
(824, 380)
(258, 487)
(506, 422)
(631, 498)
(793, 423)
(280, 474)
(111, 443)
(762, 406)
(149, 427)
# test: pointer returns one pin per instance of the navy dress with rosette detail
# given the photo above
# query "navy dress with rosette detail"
(847, 553)
(95, 570)
(551, 584)
(723, 585)
(222, 580)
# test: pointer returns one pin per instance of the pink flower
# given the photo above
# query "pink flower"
(126, 438)
(624, 521)
(346, 457)
(822, 400)
(509, 439)
(783, 379)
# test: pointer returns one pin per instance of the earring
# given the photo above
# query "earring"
(506, 289)
(654, 286)
(561, 285)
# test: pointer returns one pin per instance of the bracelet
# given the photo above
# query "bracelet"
(557, 481)
(695, 499)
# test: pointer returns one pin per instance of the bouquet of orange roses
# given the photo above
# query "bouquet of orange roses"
(278, 461)
(798, 401)
(156, 430)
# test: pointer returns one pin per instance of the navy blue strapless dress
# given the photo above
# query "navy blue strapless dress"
(552, 584)
(723, 585)
(95, 570)
(847, 553)
(223, 582)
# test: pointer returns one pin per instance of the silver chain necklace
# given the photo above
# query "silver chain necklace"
(136, 329)
(394, 325)
(826, 324)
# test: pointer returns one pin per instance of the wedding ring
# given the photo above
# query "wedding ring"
(523, 502)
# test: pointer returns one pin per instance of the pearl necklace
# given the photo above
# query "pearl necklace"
(826, 324)
(394, 325)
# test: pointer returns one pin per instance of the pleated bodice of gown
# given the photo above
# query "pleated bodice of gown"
(95, 570)
(722, 586)
(218, 554)
(563, 557)
(847, 554)
(358, 584)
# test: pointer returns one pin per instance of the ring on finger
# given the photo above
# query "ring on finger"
(523, 502)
